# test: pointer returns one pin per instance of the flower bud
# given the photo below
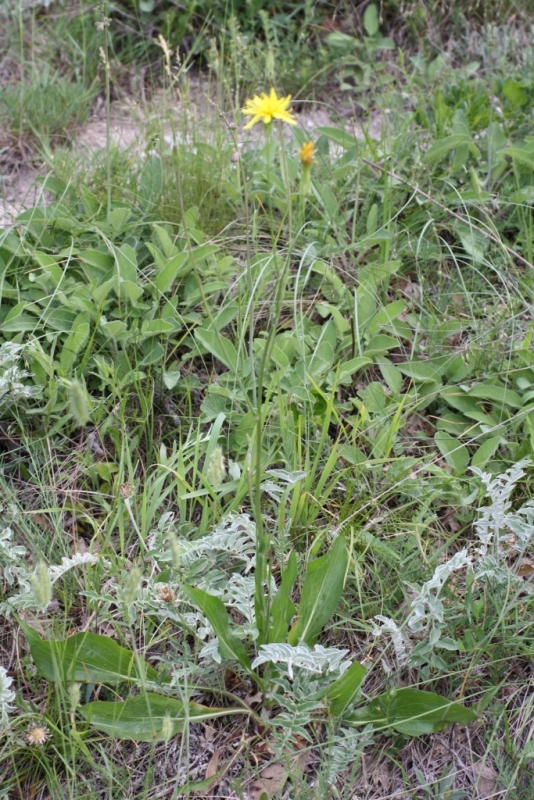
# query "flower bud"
(42, 586)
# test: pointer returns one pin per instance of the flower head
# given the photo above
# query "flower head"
(37, 735)
(306, 153)
(268, 107)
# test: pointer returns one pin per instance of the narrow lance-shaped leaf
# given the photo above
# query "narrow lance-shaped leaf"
(412, 712)
(321, 593)
(213, 608)
(149, 717)
(282, 608)
(342, 693)
(88, 658)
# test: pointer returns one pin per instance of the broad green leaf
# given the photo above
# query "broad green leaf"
(321, 593)
(380, 343)
(348, 368)
(115, 328)
(178, 266)
(159, 326)
(441, 147)
(75, 341)
(370, 20)
(98, 260)
(485, 451)
(521, 155)
(496, 394)
(390, 373)
(325, 309)
(86, 657)
(126, 259)
(340, 137)
(44, 260)
(327, 199)
(171, 377)
(119, 218)
(386, 315)
(219, 346)
(149, 717)
(338, 40)
(372, 275)
(204, 251)
(461, 401)
(165, 241)
(514, 92)
(473, 241)
(213, 608)
(282, 608)
(17, 321)
(455, 454)
(342, 693)
(412, 712)
(92, 204)
(421, 370)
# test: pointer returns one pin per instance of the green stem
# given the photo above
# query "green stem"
(263, 539)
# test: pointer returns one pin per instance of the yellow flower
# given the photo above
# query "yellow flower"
(268, 107)
(307, 153)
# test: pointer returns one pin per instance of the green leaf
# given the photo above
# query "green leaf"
(119, 218)
(441, 147)
(340, 137)
(219, 346)
(150, 183)
(372, 275)
(126, 259)
(327, 199)
(521, 155)
(421, 370)
(131, 290)
(386, 315)
(370, 20)
(86, 657)
(390, 373)
(455, 454)
(282, 609)
(342, 693)
(321, 593)
(75, 341)
(149, 717)
(485, 451)
(412, 712)
(514, 92)
(101, 262)
(169, 248)
(496, 394)
(178, 266)
(473, 241)
(213, 608)
(380, 343)
(348, 368)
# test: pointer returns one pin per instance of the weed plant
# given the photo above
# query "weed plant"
(267, 430)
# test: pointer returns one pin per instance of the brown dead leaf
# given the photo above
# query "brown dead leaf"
(209, 732)
(381, 778)
(486, 778)
(526, 569)
(272, 779)
(213, 765)
(254, 699)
